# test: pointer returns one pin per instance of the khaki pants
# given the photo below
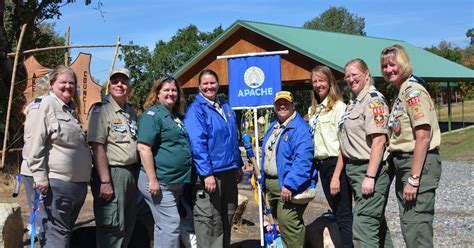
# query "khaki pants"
(416, 217)
(369, 226)
(288, 215)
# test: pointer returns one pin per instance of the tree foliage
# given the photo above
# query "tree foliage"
(338, 19)
(165, 59)
(13, 14)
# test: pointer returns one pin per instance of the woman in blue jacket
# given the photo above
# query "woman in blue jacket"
(288, 170)
(211, 126)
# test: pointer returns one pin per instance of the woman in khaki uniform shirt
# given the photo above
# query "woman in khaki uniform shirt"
(363, 133)
(414, 141)
(59, 157)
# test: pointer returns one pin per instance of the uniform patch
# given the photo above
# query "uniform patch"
(229, 114)
(286, 137)
(413, 97)
(418, 116)
(373, 94)
(379, 120)
(150, 113)
(396, 127)
(35, 105)
(119, 128)
(117, 121)
(96, 109)
(377, 106)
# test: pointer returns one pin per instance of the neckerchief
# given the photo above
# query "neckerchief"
(348, 112)
(314, 119)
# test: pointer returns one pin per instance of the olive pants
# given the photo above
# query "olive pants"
(288, 215)
(115, 219)
(416, 217)
(370, 226)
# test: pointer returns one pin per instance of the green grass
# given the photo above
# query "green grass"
(457, 146)
(457, 112)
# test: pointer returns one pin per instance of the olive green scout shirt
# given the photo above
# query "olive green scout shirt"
(166, 135)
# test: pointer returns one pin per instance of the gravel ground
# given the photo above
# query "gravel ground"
(454, 208)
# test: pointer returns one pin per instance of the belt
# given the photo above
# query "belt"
(357, 162)
(400, 153)
(320, 161)
(271, 177)
(129, 166)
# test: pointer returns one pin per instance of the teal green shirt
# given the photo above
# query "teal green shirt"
(165, 134)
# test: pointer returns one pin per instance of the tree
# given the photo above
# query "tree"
(166, 58)
(470, 35)
(33, 13)
(338, 19)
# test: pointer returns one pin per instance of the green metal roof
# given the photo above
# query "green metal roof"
(335, 49)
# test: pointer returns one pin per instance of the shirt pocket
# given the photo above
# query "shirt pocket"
(119, 133)
(68, 130)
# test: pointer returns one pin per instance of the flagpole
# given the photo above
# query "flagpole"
(252, 54)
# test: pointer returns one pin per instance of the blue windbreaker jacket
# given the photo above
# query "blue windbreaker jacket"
(214, 140)
(294, 156)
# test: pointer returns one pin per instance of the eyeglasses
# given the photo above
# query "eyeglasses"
(354, 76)
(115, 81)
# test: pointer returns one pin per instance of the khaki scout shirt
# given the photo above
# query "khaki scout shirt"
(413, 107)
(58, 144)
(326, 143)
(271, 147)
(369, 116)
(108, 126)
(31, 113)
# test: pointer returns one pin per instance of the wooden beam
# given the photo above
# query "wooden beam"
(67, 47)
(10, 96)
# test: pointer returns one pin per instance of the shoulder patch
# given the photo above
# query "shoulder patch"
(150, 113)
(413, 97)
(97, 108)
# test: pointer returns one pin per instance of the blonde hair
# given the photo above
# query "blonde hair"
(334, 93)
(152, 98)
(62, 69)
(362, 66)
(401, 58)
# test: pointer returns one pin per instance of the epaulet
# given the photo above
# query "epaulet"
(97, 107)
(37, 102)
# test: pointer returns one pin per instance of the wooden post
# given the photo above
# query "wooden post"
(112, 65)
(10, 96)
(66, 54)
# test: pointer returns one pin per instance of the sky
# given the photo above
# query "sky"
(423, 23)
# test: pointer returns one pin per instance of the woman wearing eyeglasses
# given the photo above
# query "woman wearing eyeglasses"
(165, 153)
(211, 126)
(414, 142)
(362, 135)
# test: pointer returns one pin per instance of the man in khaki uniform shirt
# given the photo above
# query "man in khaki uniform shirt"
(112, 135)
(414, 108)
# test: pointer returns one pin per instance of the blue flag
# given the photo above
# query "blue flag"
(254, 81)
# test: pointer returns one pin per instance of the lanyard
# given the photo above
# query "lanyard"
(275, 136)
(397, 109)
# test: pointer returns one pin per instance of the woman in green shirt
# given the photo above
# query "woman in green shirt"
(165, 153)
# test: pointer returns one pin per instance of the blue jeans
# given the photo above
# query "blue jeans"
(164, 208)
